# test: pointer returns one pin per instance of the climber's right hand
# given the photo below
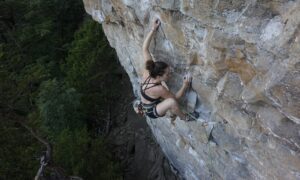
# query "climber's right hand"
(156, 24)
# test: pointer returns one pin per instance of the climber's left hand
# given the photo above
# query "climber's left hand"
(156, 24)
(187, 79)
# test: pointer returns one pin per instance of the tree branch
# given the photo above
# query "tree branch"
(45, 159)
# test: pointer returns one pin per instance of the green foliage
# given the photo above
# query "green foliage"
(59, 107)
(81, 155)
(34, 37)
(39, 31)
(71, 148)
(19, 89)
(92, 68)
(56, 80)
(19, 152)
(90, 56)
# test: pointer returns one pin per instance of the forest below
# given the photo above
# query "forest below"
(57, 82)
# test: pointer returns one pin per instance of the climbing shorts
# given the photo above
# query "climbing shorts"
(150, 110)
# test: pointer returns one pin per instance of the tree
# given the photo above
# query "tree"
(59, 107)
(50, 79)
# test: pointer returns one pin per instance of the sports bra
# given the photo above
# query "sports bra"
(147, 82)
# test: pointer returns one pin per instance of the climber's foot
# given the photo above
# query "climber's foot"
(173, 122)
(204, 124)
(173, 117)
(195, 114)
(188, 118)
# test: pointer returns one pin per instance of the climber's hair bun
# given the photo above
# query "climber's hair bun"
(150, 65)
(156, 68)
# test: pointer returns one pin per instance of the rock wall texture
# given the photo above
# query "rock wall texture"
(244, 59)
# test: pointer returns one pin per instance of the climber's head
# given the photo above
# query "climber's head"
(158, 69)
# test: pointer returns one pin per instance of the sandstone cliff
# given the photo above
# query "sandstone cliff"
(244, 58)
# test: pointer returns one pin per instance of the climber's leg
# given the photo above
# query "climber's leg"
(169, 104)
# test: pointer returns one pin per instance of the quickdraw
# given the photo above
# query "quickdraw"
(138, 107)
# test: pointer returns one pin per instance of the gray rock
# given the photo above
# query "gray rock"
(244, 58)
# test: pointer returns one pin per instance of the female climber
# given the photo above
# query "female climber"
(156, 99)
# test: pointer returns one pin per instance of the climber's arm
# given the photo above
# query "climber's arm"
(146, 44)
(165, 93)
(147, 41)
(186, 82)
(181, 91)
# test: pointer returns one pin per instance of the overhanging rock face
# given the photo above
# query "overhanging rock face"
(244, 59)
